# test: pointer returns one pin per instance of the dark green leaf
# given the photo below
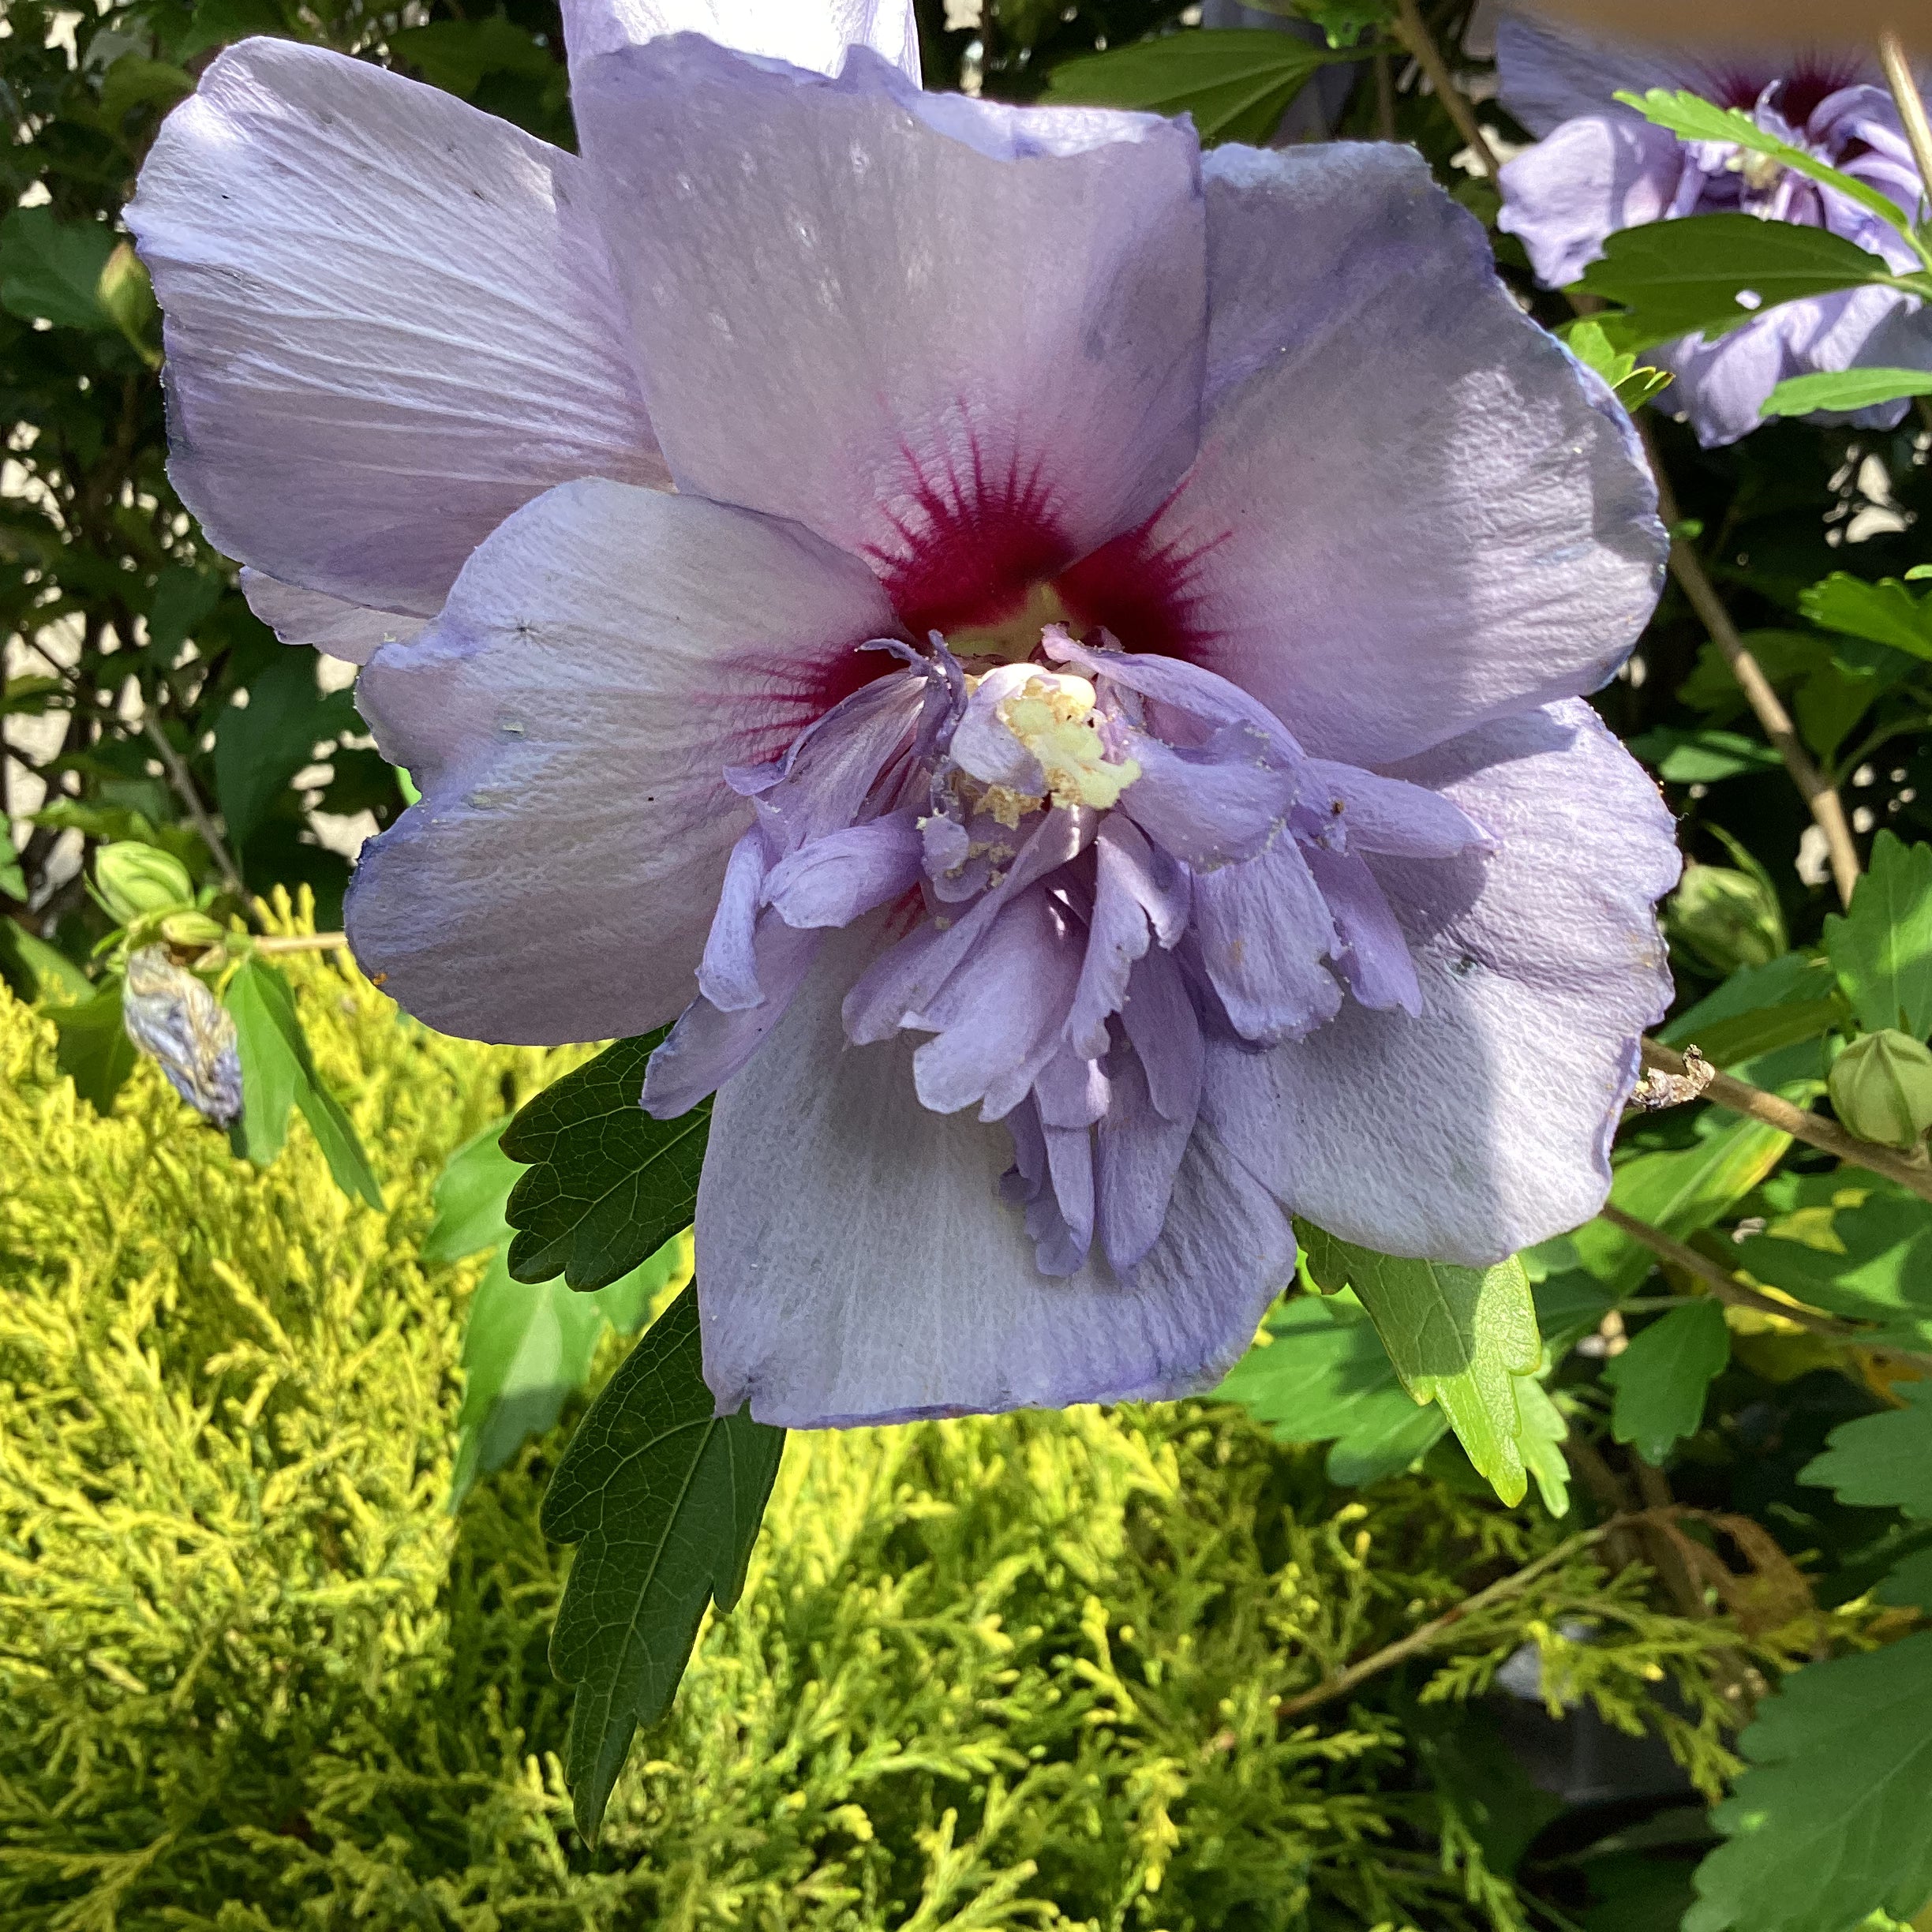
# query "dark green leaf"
(1709, 274)
(1702, 757)
(1237, 82)
(1882, 1462)
(1344, 22)
(277, 1073)
(12, 880)
(1844, 390)
(94, 1050)
(1829, 1823)
(456, 54)
(1882, 948)
(1324, 1376)
(1884, 612)
(1460, 1336)
(261, 747)
(664, 1496)
(133, 81)
(1661, 1379)
(36, 971)
(51, 270)
(609, 1185)
(1759, 1009)
(1910, 1585)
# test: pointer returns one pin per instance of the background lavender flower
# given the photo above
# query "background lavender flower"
(1601, 166)
(1211, 833)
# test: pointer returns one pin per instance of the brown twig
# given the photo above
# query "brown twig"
(1416, 38)
(1819, 793)
(1424, 1634)
(1385, 97)
(184, 784)
(1726, 1288)
(1740, 1097)
(1912, 108)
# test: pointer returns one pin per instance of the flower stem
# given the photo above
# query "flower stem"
(1421, 42)
(303, 943)
(184, 784)
(1827, 808)
(1911, 111)
(1739, 1096)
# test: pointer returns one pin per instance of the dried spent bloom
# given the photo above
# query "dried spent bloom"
(1600, 166)
(1090, 747)
(174, 1019)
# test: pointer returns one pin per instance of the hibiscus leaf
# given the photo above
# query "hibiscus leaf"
(50, 269)
(1458, 1336)
(1844, 389)
(1884, 612)
(1324, 1376)
(1237, 82)
(1709, 274)
(258, 747)
(93, 1049)
(1884, 1461)
(469, 1196)
(663, 1496)
(1881, 947)
(1689, 117)
(1877, 1267)
(609, 1185)
(278, 1072)
(1829, 1823)
(1702, 757)
(1663, 1378)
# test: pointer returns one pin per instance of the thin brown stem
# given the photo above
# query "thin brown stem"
(184, 784)
(1385, 97)
(1416, 38)
(1726, 1288)
(1424, 1634)
(1739, 1097)
(1819, 793)
(1912, 108)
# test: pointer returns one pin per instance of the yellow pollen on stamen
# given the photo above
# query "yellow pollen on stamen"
(1055, 722)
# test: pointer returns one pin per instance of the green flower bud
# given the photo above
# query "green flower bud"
(1726, 918)
(1881, 1087)
(190, 929)
(134, 878)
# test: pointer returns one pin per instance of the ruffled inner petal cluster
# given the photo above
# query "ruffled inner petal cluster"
(1095, 862)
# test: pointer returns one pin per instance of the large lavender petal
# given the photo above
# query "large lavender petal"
(858, 1265)
(348, 631)
(1265, 930)
(815, 34)
(1548, 75)
(601, 656)
(1486, 1124)
(963, 344)
(1586, 179)
(1476, 451)
(390, 321)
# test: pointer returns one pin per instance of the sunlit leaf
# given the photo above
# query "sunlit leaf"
(1884, 613)
(663, 1497)
(1844, 390)
(1702, 757)
(1460, 1336)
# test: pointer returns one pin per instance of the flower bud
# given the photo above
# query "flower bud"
(1727, 918)
(190, 929)
(136, 878)
(174, 1019)
(1881, 1087)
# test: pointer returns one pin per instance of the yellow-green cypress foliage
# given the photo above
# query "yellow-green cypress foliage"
(1019, 1672)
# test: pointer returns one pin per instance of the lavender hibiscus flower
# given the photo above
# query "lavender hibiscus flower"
(1601, 166)
(1090, 746)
